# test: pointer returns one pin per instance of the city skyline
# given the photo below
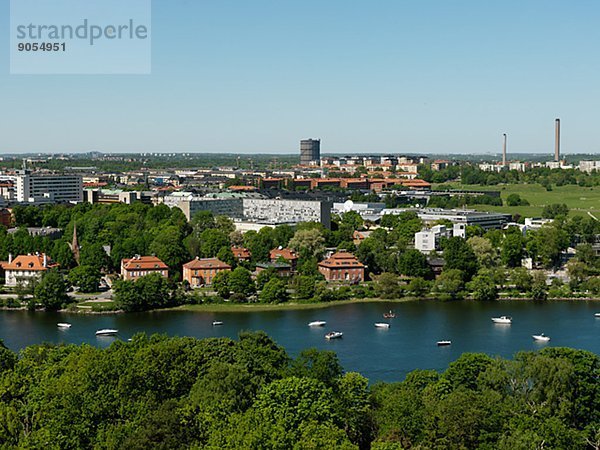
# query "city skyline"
(365, 78)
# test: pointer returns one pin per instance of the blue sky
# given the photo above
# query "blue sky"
(256, 76)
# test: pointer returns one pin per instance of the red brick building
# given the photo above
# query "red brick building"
(202, 271)
(139, 266)
(342, 266)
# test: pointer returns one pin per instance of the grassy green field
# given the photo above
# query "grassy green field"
(580, 200)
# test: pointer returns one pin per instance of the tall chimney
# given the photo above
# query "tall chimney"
(504, 150)
(557, 140)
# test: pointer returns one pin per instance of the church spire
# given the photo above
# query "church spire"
(75, 244)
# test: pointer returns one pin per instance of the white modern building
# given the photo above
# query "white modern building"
(428, 240)
(37, 187)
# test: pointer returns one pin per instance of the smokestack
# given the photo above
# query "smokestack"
(557, 140)
(504, 150)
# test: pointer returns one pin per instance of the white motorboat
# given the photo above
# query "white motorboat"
(540, 337)
(63, 325)
(505, 320)
(597, 315)
(382, 325)
(443, 343)
(106, 332)
(334, 335)
(217, 323)
(317, 323)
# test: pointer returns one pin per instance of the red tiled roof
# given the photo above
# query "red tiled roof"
(284, 253)
(242, 188)
(342, 259)
(240, 252)
(206, 263)
(29, 262)
(143, 263)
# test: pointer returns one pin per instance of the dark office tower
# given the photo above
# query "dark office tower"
(310, 151)
(557, 140)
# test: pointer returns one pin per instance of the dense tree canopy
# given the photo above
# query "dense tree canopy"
(51, 291)
(176, 393)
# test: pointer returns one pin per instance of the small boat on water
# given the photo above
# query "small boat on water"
(505, 320)
(106, 332)
(382, 325)
(389, 315)
(217, 323)
(443, 343)
(317, 323)
(334, 335)
(63, 325)
(597, 315)
(540, 337)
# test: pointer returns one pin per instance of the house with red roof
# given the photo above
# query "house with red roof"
(284, 253)
(25, 268)
(202, 271)
(140, 266)
(241, 253)
(342, 266)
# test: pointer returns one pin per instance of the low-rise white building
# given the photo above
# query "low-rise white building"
(25, 268)
(589, 166)
(428, 240)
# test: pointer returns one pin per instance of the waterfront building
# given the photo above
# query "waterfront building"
(38, 187)
(139, 266)
(342, 266)
(25, 268)
(202, 271)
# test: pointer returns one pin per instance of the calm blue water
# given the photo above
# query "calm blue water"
(379, 354)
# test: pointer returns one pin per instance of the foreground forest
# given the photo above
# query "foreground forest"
(171, 393)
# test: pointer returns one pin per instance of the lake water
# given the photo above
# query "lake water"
(379, 354)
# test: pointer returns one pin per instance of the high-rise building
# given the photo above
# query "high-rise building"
(310, 151)
(34, 187)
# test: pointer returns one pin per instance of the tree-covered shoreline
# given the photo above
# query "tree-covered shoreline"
(170, 393)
